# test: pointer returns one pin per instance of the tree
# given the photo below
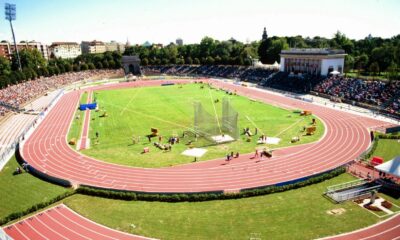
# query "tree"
(111, 64)
(392, 72)
(210, 60)
(361, 62)
(297, 42)
(91, 66)
(84, 67)
(196, 61)
(30, 58)
(188, 60)
(106, 64)
(76, 67)
(99, 65)
(374, 68)
(263, 51)
(348, 63)
(68, 67)
(5, 66)
(340, 41)
(276, 47)
(144, 62)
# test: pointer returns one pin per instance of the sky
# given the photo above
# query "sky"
(163, 21)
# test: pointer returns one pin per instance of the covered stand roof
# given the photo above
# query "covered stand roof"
(391, 167)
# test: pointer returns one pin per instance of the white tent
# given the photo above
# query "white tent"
(335, 72)
(391, 167)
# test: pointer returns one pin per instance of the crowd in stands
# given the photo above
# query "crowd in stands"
(292, 83)
(385, 95)
(250, 74)
(15, 96)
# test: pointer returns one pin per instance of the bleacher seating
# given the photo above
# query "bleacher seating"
(244, 73)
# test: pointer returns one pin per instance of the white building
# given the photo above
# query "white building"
(315, 61)
(115, 46)
(93, 47)
(65, 50)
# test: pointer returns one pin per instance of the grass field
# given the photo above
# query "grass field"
(132, 112)
(295, 214)
(76, 127)
(21, 191)
(387, 148)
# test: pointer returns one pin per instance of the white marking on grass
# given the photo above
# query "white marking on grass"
(156, 118)
(130, 100)
(215, 110)
(284, 130)
(251, 121)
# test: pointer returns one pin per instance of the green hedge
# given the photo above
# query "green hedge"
(388, 136)
(373, 148)
(34, 208)
(197, 197)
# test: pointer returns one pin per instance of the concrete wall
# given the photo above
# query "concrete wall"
(334, 62)
(282, 67)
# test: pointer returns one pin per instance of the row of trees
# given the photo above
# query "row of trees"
(371, 54)
(209, 51)
(34, 65)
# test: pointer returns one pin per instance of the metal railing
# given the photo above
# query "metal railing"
(341, 186)
(341, 197)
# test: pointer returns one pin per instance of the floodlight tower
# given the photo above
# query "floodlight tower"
(11, 14)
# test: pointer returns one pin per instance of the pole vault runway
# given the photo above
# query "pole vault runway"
(346, 137)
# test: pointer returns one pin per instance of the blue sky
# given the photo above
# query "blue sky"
(162, 21)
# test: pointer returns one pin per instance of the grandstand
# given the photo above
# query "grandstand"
(243, 73)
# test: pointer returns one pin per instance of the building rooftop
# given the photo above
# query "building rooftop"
(313, 51)
(63, 43)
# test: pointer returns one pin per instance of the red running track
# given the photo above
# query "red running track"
(86, 122)
(345, 139)
(386, 230)
(60, 222)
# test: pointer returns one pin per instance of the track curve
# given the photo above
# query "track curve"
(346, 137)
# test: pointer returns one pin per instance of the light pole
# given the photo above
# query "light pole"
(11, 14)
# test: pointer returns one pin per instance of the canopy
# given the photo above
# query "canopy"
(335, 72)
(391, 167)
(194, 152)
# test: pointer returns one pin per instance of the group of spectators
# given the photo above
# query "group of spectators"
(385, 95)
(292, 82)
(245, 73)
(15, 96)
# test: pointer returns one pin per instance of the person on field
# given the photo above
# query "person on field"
(256, 153)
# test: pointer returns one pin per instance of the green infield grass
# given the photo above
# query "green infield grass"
(131, 113)
(294, 214)
(22, 191)
(76, 126)
(387, 149)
